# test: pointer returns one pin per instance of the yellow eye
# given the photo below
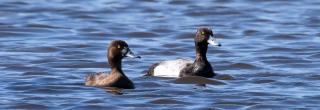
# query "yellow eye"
(119, 46)
(202, 33)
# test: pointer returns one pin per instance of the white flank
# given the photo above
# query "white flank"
(170, 68)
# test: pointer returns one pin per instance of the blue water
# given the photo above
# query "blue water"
(269, 47)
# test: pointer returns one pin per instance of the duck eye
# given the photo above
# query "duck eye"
(202, 33)
(119, 46)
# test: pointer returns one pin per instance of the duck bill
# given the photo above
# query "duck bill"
(213, 41)
(130, 54)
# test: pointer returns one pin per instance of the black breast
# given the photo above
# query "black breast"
(123, 82)
(203, 69)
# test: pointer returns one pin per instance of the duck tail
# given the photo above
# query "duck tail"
(150, 71)
(90, 79)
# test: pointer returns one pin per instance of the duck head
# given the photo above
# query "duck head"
(205, 35)
(118, 50)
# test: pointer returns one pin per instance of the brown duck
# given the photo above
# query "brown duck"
(117, 50)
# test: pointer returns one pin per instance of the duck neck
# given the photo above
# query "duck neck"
(115, 64)
(201, 50)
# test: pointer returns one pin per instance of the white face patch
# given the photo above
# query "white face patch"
(213, 41)
(124, 51)
(130, 54)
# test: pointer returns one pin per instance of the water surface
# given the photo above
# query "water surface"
(269, 47)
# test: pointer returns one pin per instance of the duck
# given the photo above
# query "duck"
(117, 50)
(186, 67)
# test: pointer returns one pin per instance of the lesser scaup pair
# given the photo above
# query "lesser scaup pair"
(174, 68)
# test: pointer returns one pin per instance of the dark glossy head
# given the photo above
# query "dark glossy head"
(119, 49)
(205, 35)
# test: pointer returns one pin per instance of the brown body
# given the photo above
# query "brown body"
(116, 78)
